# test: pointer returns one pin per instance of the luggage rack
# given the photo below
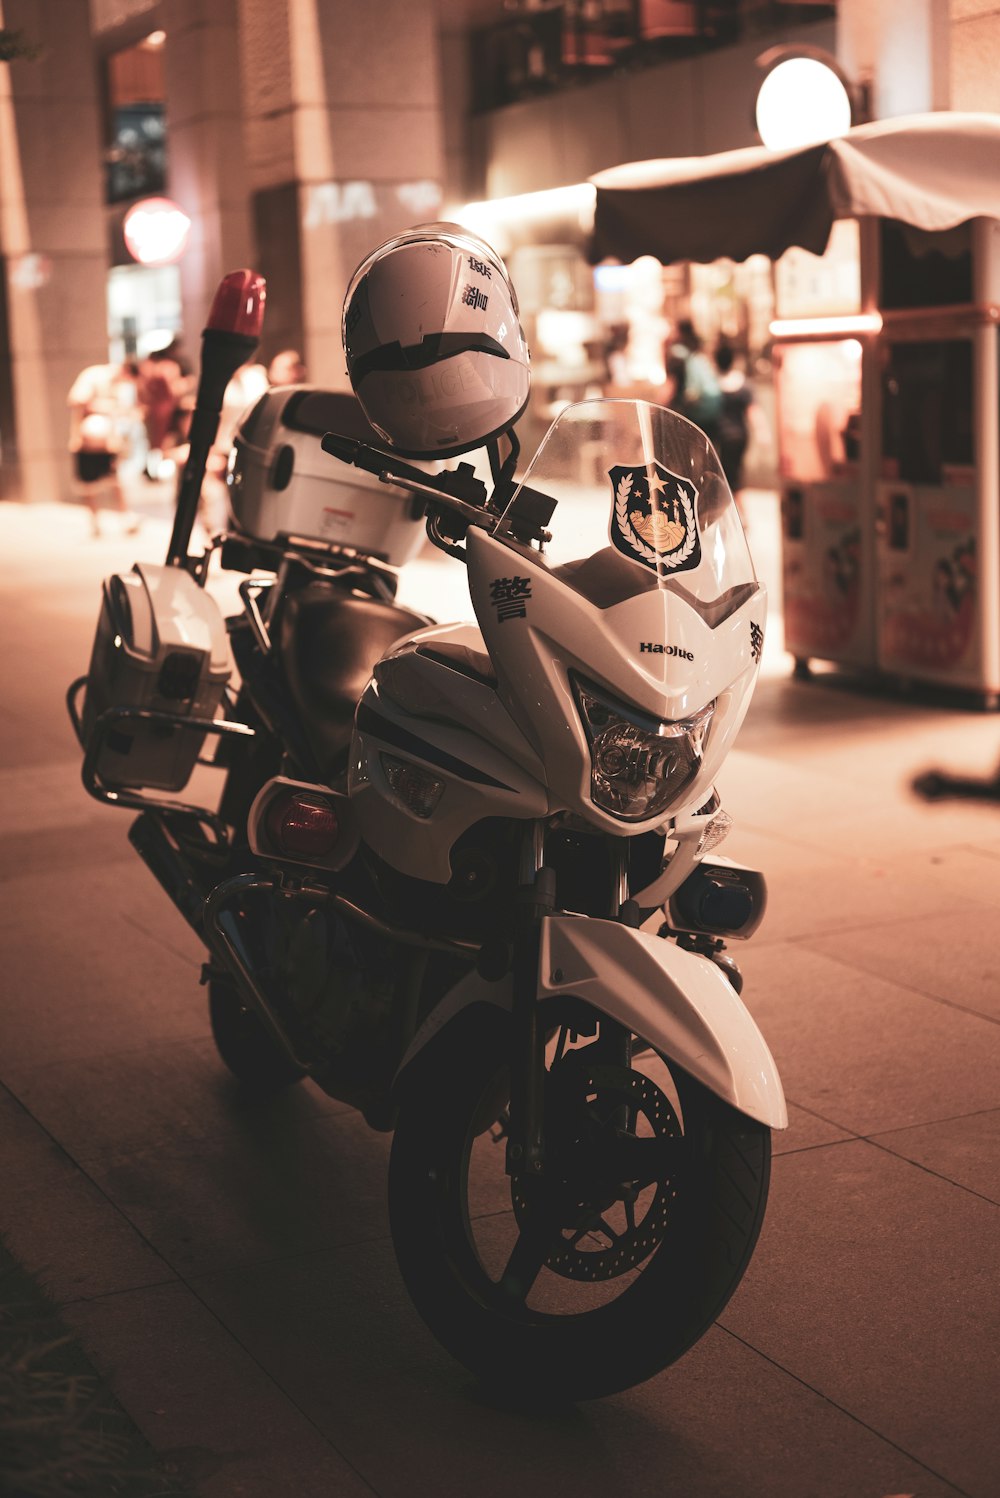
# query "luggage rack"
(116, 717)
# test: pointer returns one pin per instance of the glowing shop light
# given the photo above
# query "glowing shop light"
(573, 202)
(156, 231)
(801, 102)
(826, 327)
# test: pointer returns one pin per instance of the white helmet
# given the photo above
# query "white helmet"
(435, 350)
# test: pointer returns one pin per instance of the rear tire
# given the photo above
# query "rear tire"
(245, 1045)
(667, 1282)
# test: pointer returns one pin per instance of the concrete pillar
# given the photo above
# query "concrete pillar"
(901, 49)
(344, 147)
(975, 58)
(52, 241)
(206, 171)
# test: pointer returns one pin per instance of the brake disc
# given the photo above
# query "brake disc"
(594, 1167)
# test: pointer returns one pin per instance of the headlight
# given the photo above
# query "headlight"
(638, 766)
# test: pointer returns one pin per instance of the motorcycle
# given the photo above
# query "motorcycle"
(498, 929)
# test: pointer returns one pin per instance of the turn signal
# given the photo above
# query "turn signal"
(416, 788)
(301, 825)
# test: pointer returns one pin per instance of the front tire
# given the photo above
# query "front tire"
(543, 1290)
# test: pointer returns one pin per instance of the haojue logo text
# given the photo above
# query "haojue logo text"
(648, 647)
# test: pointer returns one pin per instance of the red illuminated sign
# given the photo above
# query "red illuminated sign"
(156, 231)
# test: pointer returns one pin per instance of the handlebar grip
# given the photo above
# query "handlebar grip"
(350, 450)
(458, 484)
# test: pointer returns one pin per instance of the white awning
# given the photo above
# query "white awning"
(930, 170)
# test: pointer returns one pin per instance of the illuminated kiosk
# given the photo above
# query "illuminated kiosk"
(887, 390)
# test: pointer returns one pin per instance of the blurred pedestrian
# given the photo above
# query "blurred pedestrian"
(738, 419)
(165, 381)
(287, 368)
(693, 383)
(616, 356)
(102, 401)
(734, 422)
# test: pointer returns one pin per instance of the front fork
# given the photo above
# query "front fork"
(536, 901)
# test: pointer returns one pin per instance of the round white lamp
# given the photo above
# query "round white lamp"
(802, 102)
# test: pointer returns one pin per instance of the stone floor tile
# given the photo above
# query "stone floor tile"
(151, 1098)
(862, 1052)
(240, 1198)
(953, 959)
(964, 1150)
(812, 892)
(337, 1333)
(59, 1224)
(969, 871)
(204, 1404)
(805, 1131)
(875, 1283)
(116, 968)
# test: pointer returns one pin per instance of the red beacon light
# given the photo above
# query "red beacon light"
(229, 339)
(302, 825)
(238, 304)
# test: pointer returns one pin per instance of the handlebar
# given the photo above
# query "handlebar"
(457, 490)
(452, 484)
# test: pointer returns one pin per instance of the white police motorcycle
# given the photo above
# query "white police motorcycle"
(500, 932)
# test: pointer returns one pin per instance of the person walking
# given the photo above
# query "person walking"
(693, 381)
(101, 398)
(287, 368)
(734, 417)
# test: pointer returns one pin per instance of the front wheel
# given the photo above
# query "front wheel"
(601, 1272)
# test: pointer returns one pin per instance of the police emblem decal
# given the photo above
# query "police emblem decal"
(653, 519)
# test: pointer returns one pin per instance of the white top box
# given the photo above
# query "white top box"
(282, 483)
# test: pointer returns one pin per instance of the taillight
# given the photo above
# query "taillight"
(302, 825)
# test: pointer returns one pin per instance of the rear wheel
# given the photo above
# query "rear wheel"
(609, 1266)
(245, 1044)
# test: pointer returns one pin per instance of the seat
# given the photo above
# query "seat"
(328, 642)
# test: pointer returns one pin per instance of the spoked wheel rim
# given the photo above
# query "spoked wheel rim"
(574, 1239)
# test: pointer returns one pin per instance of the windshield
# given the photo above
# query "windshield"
(641, 503)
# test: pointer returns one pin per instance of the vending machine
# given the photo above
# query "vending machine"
(823, 342)
(888, 415)
(937, 514)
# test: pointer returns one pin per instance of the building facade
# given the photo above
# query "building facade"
(297, 134)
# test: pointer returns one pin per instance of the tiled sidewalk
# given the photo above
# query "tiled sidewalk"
(229, 1268)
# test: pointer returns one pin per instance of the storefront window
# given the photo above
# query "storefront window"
(136, 157)
(144, 309)
(819, 398)
(927, 409)
(826, 285)
(920, 269)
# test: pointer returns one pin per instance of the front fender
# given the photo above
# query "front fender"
(679, 1002)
